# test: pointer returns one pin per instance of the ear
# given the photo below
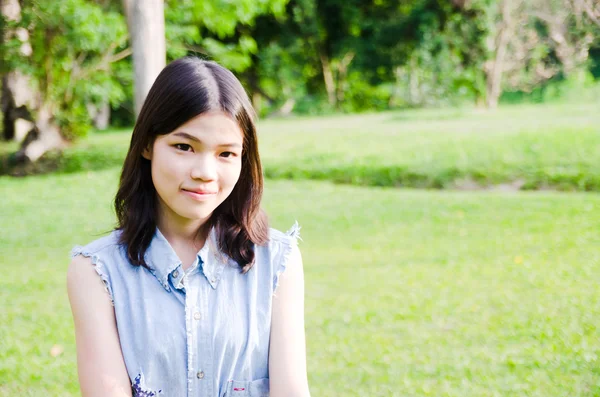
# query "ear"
(147, 153)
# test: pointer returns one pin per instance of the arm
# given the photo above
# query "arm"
(100, 363)
(287, 349)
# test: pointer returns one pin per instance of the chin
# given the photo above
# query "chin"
(198, 216)
(193, 214)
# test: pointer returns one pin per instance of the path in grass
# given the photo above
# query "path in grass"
(408, 293)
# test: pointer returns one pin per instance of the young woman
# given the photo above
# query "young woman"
(192, 294)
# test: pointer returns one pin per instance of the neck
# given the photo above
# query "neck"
(182, 234)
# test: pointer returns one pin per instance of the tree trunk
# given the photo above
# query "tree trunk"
(396, 97)
(288, 105)
(17, 97)
(589, 8)
(572, 53)
(146, 25)
(494, 73)
(286, 108)
(257, 102)
(342, 75)
(414, 97)
(43, 137)
(100, 114)
(24, 119)
(329, 81)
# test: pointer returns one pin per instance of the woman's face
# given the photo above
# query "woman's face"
(196, 167)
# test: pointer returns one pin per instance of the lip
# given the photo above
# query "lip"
(199, 194)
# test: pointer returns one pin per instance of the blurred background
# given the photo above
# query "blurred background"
(442, 157)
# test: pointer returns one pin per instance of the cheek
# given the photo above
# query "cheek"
(166, 171)
(229, 176)
(234, 175)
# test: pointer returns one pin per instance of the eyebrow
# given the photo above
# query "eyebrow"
(193, 138)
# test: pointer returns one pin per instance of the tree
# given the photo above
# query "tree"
(146, 25)
(73, 44)
(589, 8)
(531, 42)
(76, 66)
(505, 25)
(17, 94)
(224, 31)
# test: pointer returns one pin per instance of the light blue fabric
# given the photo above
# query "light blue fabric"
(202, 332)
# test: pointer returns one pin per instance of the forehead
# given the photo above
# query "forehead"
(212, 125)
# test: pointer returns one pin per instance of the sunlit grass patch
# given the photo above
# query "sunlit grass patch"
(408, 293)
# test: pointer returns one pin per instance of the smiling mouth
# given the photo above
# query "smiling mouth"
(199, 191)
(199, 194)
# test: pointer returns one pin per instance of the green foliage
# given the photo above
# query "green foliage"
(375, 54)
(282, 74)
(222, 17)
(215, 29)
(441, 58)
(443, 63)
(236, 55)
(579, 87)
(442, 50)
(361, 96)
(70, 65)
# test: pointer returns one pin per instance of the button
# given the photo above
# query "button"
(200, 375)
(213, 280)
(175, 274)
(197, 316)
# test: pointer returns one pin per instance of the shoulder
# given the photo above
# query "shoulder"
(89, 263)
(82, 275)
(289, 238)
(280, 244)
(103, 244)
(281, 251)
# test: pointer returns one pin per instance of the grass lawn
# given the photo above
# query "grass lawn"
(518, 147)
(532, 146)
(408, 293)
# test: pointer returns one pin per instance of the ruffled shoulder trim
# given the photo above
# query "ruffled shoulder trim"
(288, 250)
(94, 252)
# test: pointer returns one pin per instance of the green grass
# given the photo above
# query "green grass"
(408, 293)
(517, 147)
(532, 147)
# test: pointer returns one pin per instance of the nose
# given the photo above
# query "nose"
(204, 168)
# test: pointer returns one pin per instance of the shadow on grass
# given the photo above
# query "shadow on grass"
(62, 162)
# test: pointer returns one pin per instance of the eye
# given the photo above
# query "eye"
(184, 147)
(227, 154)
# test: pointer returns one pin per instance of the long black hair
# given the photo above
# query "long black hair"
(183, 90)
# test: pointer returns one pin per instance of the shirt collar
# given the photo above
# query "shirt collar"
(164, 262)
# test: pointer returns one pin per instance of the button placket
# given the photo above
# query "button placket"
(204, 348)
(191, 296)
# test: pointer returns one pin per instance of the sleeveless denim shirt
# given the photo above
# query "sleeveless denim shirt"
(203, 332)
